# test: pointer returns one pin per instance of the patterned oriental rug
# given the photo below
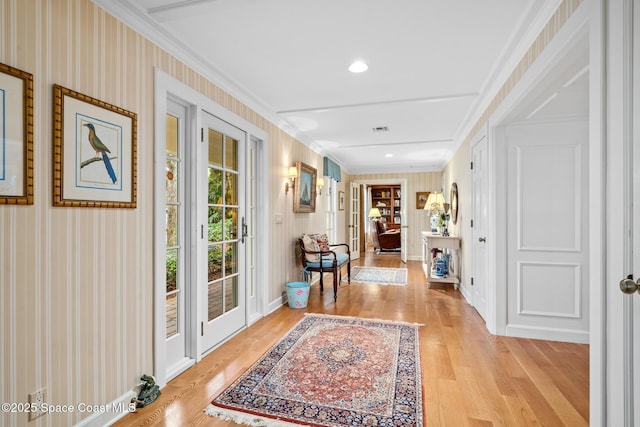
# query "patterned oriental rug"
(331, 371)
(379, 275)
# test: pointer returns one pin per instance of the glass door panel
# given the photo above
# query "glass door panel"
(225, 311)
(173, 247)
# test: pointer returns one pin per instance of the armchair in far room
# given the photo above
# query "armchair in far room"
(388, 239)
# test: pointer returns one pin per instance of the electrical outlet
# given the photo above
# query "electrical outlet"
(36, 400)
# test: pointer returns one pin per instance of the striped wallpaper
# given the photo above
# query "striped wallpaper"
(76, 284)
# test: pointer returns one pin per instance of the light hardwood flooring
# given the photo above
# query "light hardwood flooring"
(470, 378)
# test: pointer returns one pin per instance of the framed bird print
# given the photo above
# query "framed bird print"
(94, 152)
(16, 136)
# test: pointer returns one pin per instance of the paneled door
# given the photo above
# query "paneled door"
(547, 231)
(479, 207)
(222, 216)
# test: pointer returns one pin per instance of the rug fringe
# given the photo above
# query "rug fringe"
(397, 322)
(246, 419)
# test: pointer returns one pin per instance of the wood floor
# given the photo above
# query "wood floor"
(470, 378)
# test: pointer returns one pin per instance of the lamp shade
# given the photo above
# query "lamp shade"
(374, 213)
(435, 202)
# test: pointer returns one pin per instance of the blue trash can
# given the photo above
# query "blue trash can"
(298, 294)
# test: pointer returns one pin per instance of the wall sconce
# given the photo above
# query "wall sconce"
(320, 184)
(293, 172)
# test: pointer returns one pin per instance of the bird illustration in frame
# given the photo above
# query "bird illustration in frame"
(102, 151)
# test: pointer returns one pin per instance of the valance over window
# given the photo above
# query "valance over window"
(331, 169)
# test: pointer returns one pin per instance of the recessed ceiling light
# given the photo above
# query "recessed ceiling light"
(358, 67)
(388, 155)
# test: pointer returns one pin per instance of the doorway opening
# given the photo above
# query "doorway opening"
(210, 226)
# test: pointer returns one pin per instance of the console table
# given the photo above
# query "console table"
(449, 243)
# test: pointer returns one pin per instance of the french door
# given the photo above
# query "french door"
(223, 231)
(176, 240)
(354, 221)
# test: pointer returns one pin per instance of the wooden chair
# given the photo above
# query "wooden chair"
(330, 261)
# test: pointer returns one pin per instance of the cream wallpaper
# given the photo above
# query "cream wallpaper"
(76, 284)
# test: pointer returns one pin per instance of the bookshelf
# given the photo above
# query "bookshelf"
(387, 199)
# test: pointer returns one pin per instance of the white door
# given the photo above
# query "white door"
(403, 221)
(547, 231)
(177, 256)
(479, 192)
(621, 195)
(354, 221)
(222, 216)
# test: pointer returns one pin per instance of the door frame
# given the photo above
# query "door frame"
(574, 31)
(402, 182)
(615, 46)
(590, 18)
(166, 86)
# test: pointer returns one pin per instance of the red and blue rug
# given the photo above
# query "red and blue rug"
(331, 371)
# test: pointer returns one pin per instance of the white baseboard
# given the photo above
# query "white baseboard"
(113, 411)
(465, 291)
(564, 335)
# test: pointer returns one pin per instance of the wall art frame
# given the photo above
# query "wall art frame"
(421, 199)
(340, 200)
(304, 195)
(94, 152)
(16, 136)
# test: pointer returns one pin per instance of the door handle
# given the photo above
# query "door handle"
(482, 239)
(628, 286)
(244, 230)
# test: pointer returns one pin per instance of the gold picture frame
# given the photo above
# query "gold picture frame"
(421, 199)
(304, 195)
(16, 136)
(94, 152)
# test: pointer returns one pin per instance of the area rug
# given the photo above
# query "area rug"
(331, 371)
(379, 275)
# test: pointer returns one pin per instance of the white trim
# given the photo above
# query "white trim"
(514, 50)
(597, 292)
(101, 419)
(166, 85)
(541, 333)
(137, 18)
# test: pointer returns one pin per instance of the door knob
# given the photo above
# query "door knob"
(482, 239)
(628, 286)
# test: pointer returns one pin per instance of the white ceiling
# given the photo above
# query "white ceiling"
(433, 66)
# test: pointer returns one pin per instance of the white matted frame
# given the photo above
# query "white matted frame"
(94, 157)
(16, 136)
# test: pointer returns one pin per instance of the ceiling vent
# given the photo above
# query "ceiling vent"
(381, 129)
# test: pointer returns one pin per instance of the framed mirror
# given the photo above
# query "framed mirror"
(453, 197)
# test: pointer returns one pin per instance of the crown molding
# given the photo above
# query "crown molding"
(517, 46)
(139, 21)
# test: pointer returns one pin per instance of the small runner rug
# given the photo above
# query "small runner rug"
(331, 371)
(379, 275)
